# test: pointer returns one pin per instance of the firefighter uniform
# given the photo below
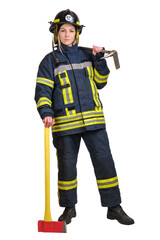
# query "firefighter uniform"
(68, 93)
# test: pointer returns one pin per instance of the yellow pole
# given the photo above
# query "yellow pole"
(47, 215)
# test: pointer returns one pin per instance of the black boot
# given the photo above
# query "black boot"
(118, 214)
(68, 214)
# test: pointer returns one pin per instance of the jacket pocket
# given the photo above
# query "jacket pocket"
(65, 85)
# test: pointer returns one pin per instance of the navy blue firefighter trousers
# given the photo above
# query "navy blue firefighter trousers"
(98, 146)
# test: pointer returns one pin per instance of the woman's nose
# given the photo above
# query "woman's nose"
(67, 33)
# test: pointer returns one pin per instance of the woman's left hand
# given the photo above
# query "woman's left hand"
(96, 49)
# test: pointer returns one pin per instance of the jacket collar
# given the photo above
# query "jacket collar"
(69, 50)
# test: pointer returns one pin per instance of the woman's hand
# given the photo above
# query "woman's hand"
(48, 121)
(96, 49)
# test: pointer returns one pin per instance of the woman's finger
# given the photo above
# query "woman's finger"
(96, 49)
(48, 121)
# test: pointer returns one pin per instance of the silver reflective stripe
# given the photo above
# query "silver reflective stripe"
(79, 116)
(66, 90)
(46, 82)
(73, 66)
(94, 121)
(96, 96)
(99, 78)
(62, 68)
(94, 89)
(69, 118)
(43, 101)
(108, 183)
(67, 95)
(67, 185)
(61, 127)
(84, 123)
(92, 113)
(64, 81)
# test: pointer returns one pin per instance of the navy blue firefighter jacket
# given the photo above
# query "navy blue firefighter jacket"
(68, 91)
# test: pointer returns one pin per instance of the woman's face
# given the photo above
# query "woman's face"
(67, 34)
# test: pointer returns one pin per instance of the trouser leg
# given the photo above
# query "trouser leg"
(67, 152)
(98, 146)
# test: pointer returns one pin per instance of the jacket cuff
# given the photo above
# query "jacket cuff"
(98, 56)
(45, 112)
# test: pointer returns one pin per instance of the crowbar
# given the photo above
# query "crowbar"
(112, 53)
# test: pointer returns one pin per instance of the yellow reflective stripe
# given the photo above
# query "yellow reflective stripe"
(79, 116)
(67, 126)
(107, 180)
(67, 182)
(67, 111)
(98, 107)
(69, 118)
(56, 20)
(44, 101)
(92, 85)
(94, 120)
(63, 82)
(77, 124)
(69, 88)
(73, 112)
(45, 81)
(94, 89)
(77, 23)
(70, 112)
(100, 81)
(100, 78)
(67, 188)
(107, 183)
(67, 185)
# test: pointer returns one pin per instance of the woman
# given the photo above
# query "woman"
(67, 99)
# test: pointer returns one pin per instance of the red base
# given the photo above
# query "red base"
(58, 227)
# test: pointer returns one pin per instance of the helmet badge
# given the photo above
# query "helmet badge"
(69, 18)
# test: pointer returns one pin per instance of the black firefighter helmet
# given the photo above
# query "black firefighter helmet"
(65, 16)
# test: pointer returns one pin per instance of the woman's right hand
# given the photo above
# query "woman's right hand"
(48, 121)
(96, 49)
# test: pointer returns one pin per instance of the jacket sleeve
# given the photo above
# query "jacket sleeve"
(101, 70)
(44, 87)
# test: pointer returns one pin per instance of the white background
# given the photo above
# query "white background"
(131, 105)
